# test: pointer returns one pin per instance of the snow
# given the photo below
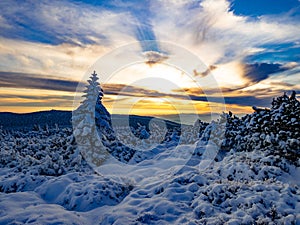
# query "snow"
(232, 171)
(233, 191)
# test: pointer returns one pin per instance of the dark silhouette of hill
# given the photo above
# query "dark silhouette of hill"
(27, 121)
(10, 120)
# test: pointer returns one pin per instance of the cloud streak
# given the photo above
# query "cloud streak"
(133, 91)
(211, 29)
(59, 22)
(261, 71)
(186, 94)
(34, 81)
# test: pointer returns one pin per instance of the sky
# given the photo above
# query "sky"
(152, 57)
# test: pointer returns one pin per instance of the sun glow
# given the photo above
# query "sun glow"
(23, 100)
(159, 77)
(230, 75)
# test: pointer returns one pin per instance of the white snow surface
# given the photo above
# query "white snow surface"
(242, 188)
(254, 178)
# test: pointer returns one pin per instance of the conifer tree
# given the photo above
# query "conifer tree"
(88, 119)
(93, 130)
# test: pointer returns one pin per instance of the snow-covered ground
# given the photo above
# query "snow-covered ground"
(254, 177)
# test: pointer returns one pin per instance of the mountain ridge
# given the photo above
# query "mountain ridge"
(62, 118)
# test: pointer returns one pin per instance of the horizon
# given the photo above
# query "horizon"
(182, 118)
(188, 119)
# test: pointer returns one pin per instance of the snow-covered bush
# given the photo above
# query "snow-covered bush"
(275, 130)
(52, 153)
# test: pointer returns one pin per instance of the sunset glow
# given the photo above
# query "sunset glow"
(244, 59)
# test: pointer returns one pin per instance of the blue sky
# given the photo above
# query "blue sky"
(256, 8)
(46, 46)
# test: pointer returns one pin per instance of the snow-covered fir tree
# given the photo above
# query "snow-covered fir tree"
(90, 121)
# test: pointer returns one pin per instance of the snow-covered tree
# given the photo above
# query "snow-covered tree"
(93, 93)
(89, 119)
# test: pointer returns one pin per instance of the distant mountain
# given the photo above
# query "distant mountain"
(27, 121)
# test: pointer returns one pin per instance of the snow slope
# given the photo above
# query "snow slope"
(240, 189)
(253, 178)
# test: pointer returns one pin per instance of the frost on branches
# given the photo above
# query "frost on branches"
(275, 131)
(90, 121)
(93, 130)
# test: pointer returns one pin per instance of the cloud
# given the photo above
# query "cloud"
(153, 57)
(276, 84)
(235, 100)
(206, 72)
(249, 101)
(207, 28)
(59, 22)
(65, 38)
(24, 100)
(290, 65)
(187, 94)
(63, 60)
(101, 23)
(134, 91)
(48, 104)
(261, 71)
(211, 30)
(34, 81)
(36, 97)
